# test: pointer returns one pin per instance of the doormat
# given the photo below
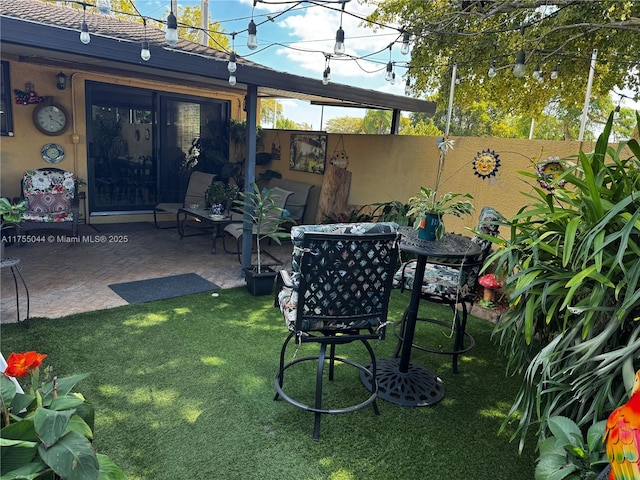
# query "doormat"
(152, 289)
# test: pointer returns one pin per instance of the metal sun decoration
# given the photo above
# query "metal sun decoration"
(486, 163)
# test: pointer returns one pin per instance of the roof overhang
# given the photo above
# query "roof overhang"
(48, 44)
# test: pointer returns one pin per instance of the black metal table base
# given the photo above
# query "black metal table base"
(416, 388)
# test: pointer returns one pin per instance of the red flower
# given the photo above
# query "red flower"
(21, 364)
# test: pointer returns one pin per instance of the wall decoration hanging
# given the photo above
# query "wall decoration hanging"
(52, 153)
(275, 148)
(486, 163)
(308, 152)
(28, 96)
(548, 173)
(340, 157)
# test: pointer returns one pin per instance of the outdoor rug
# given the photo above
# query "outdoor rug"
(165, 287)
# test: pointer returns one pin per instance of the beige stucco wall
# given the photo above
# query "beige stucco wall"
(384, 167)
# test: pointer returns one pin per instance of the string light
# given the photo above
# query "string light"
(554, 72)
(407, 87)
(393, 78)
(540, 77)
(84, 28)
(404, 50)
(145, 54)
(536, 72)
(389, 73)
(171, 35)
(252, 38)
(326, 75)
(519, 69)
(492, 69)
(232, 66)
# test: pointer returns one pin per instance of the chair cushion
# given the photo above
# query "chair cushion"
(48, 217)
(43, 181)
(288, 295)
(44, 203)
(449, 283)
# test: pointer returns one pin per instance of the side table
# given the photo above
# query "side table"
(14, 265)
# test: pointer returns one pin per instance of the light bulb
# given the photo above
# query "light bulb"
(338, 49)
(171, 35)
(492, 69)
(252, 39)
(104, 6)
(393, 78)
(232, 66)
(326, 76)
(457, 80)
(389, 72)
(145, 54)
(84, 33)
(232, 79)
(407, 88)
(540, 77)
(536, 72)
(519, 69)
(554, 72)
(405, 43)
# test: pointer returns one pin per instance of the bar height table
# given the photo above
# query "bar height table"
(400, 381)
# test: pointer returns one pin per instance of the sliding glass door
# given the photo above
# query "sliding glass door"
(139, 145)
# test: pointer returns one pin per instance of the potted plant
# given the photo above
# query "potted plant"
(267, 222)
(428, 209)
(218, 196)
(10, 214)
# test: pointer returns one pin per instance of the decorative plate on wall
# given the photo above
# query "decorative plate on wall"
(52, 153)
(549, 172)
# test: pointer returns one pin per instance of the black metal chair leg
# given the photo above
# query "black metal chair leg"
(280, 376)
(332, 356)
(318, 404)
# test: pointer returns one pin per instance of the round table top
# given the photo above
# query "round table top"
(9, 262)
(449, 246)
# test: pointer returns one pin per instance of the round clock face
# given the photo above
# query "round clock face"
(50, 119)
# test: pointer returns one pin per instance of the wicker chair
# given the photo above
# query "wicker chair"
(52, 198)
(451, 284)
(338, 293)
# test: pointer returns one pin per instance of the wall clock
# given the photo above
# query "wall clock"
(51, 118)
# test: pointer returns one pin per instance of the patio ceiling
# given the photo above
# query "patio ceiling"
(44, 33)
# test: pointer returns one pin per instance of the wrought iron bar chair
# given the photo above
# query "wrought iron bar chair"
(338, 293)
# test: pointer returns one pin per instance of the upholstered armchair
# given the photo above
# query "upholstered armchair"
(52, 201)
(337, 293)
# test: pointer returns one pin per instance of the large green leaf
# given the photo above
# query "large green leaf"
(15, 454)
(28, 471)
(50, 425)
(109, 470)
(72, 457)
(20, 430)
(64, 385)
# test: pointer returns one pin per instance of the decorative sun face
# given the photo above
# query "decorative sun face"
(486, 163)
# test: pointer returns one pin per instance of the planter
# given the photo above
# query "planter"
(260, 283)
(217, 208)
(429, 227)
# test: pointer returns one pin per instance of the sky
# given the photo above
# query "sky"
(298, 41)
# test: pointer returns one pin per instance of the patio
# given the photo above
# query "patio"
(65, 278)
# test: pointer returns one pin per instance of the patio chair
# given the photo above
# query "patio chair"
(338, 293)
(52, 200)
(236, 228)
(452, 284)
(198, 184)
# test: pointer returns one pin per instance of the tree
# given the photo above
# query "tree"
(270, 111)
(344, 125)
(377, 122)
(190, 18)
(561, 33)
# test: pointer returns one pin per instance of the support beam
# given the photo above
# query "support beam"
(249, 169)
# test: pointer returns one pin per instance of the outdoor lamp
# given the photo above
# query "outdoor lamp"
(519, 68)
(554, 72)
(232, 79)
(405, 43)
(252, 39)
(145, 54)
(171, 35)
(541, 77)
(84, 33)
(339, 47)
(61, 81)
(232, 66)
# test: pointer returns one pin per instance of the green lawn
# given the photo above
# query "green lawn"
(183, 389)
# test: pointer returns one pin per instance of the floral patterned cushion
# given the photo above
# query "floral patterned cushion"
(49, 195)
(450, 282)
(288, 295)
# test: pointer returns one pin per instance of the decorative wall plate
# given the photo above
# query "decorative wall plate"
(486, 163)
(548, 172)
(52, 153)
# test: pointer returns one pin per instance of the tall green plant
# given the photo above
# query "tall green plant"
(573, 278)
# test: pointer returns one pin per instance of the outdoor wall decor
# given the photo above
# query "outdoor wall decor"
(275, 148)
(548, 171)
(340, 157)
(486, 163)
(308, 152)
